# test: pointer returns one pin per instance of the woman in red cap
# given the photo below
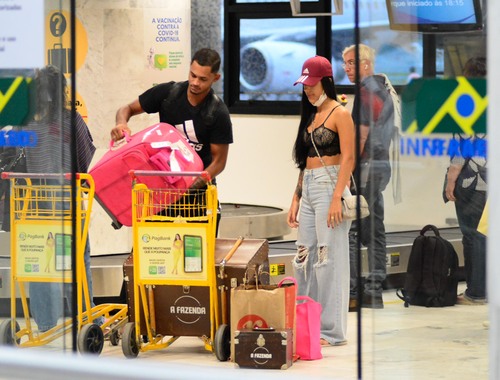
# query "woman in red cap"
(324, 153)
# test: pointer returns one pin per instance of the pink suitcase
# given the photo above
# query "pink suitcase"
(159, 147)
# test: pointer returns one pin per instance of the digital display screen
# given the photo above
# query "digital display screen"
(435, 15)
(63, 251)
(192, 254)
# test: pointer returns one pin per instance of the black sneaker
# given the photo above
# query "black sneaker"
(372, 301)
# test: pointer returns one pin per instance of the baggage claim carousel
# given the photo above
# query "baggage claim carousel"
(250, 222)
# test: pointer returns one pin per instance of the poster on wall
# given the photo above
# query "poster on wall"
(167, 42)
(21, 34)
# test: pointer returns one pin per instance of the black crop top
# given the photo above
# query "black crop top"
(326, 140)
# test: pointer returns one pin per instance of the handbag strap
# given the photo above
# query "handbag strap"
(324, 165)
(289, 278)
(305, 298)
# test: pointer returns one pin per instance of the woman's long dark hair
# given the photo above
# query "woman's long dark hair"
(307, 112)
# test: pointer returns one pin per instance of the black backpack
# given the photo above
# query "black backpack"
(431, 277)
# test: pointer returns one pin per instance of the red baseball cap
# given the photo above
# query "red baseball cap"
(314, 69)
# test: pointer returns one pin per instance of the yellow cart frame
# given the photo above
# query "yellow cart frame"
(147, 218)
(41, 203)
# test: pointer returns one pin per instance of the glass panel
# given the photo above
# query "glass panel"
(398, 54)
(45, 223)
(271, 56)
(456, 50)
(434, 111)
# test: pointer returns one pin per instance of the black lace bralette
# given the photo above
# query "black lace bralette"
(326, 140)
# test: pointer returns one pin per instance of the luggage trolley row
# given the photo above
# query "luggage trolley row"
(173, 264)
(41, 244)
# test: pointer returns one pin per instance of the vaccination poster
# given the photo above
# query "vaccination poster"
(167, 42)
(172, 253)
(43, 251)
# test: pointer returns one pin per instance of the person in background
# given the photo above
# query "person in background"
(466, 186)
(53, 125)
(193, 108)
(375, 111)
(324, 154)
(412, 75)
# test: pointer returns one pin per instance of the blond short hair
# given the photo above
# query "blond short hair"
(365, 52)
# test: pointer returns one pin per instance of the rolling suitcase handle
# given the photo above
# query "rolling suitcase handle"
(231, 252)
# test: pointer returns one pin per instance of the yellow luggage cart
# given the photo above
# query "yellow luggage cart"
(174, 245)
(41, 245)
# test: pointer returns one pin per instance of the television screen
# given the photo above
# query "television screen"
(435, 16)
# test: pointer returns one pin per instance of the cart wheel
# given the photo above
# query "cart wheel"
(90, 339)
(6, 334)
(114, 338)
(222, 343)
(130, 346)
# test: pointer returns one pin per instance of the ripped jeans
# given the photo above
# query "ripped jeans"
(321, 265)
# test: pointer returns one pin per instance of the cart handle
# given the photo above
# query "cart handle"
(8, 175)
(145, 173)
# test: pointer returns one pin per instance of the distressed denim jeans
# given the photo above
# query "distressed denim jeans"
(321, 265)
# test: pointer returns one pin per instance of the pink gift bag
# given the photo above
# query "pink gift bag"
(308, 328)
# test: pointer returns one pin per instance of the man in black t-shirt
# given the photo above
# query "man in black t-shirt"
(193, 108)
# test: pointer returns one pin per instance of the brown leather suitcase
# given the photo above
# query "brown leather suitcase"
(263, 349)
(185, 310)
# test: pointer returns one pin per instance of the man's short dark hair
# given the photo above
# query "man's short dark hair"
(207, 57)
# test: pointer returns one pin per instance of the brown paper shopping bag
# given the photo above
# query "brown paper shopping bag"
(262, 306)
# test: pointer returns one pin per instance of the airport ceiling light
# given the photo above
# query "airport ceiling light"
(337, 5)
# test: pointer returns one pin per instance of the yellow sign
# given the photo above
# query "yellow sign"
(277, 269)
(43, 250)
(172, 254)
(58, 41)
(80, 105)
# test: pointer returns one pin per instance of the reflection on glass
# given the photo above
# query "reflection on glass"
(271, 57)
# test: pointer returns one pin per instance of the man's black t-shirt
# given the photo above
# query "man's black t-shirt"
(205, 124)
